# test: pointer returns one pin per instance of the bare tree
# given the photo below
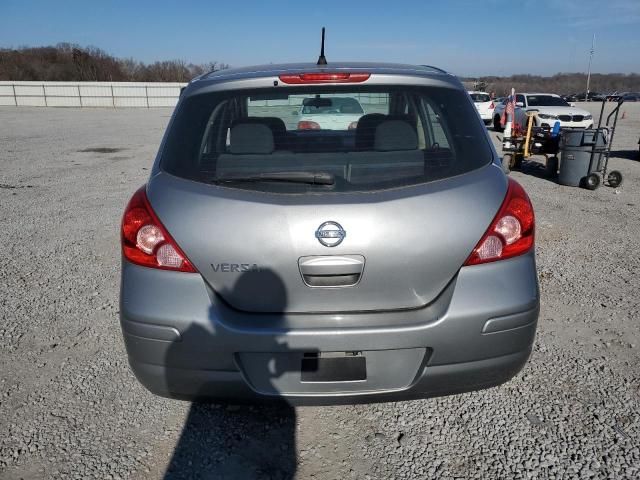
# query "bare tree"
(70, 62)
(563, 83)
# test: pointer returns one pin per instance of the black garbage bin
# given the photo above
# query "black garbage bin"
(576, 147)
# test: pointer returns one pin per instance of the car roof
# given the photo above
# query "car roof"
(539, 93)
(270, 70)
(263, 75)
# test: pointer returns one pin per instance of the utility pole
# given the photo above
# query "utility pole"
(593, 42)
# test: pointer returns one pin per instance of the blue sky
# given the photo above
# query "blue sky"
(463, 36)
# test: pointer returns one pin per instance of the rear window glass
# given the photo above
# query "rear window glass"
(480, 97)
(545, 101)
(352, 138)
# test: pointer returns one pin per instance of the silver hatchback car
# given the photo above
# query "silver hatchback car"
(384, 258)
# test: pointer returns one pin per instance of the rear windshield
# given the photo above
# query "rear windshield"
(480, 97)
(350, 138)
(546, 101)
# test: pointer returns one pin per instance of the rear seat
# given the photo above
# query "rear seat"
(275, 124)
(366, 129)
(395, 135)
(250, 138)
(367, 125)
(252, 150)
(395, 155)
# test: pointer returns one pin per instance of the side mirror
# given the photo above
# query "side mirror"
(294, 113)
(519, 104)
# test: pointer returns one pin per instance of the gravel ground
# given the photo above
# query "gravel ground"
(70, 408)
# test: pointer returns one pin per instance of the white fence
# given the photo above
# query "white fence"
(89, 94)
(123, 94)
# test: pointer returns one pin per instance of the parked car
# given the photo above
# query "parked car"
(626, 96)
(329, 113)
(484, 105)
(631, 97)
(551, 108)
(391, 261)
(591, 97)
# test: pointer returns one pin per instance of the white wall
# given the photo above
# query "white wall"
(89, 94)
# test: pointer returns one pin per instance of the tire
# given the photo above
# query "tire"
(614, 179)
(507, 162)
(551, 168)
(591, 181)
(496, 124)
(517, 161)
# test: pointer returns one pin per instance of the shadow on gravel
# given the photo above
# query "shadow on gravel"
(626, 154)
(535, 169)
(101, 150)
(240, 442)
(227, 441)
(538, 170)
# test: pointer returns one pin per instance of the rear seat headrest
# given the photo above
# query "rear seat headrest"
(366, 129)
(251, 138)
(395, 135)
(277, 126)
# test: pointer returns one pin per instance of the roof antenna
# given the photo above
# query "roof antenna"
(321, 59)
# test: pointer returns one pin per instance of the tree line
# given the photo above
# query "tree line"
(561, 83)
(69, 62)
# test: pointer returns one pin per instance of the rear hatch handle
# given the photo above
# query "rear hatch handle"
(331, 270)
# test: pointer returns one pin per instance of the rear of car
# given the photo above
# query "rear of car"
(550, 109)
(484, 105)
(386, 260)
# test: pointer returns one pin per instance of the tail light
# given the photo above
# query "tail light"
(353, 125)
(146, 242)
(308, 125)
(511, 232)
(491, 106)
(324, 77)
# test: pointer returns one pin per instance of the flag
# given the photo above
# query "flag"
(509, 109)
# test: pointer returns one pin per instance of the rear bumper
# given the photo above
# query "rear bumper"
(486, 115)
(231, 387)
(184, 342)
